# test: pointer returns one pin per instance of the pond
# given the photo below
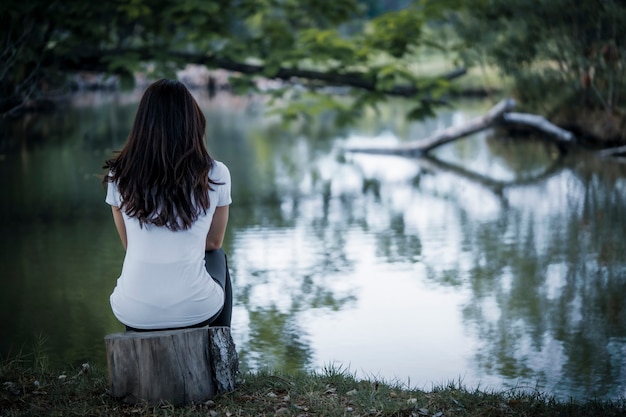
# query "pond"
(495, 263)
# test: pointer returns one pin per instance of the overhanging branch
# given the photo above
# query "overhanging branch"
(99, 61)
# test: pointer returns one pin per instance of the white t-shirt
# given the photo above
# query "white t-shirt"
(164, 283)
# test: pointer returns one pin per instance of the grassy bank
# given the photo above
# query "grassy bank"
(36, 391)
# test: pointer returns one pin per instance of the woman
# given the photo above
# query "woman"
(170, 204)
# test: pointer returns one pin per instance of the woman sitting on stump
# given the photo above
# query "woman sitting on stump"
(170, 203)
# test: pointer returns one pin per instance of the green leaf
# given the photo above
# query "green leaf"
(421, 112)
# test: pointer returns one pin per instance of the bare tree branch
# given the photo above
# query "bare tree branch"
(441, 137)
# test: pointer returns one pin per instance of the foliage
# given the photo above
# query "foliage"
(572, 49)
(559, 52)
(313, 43)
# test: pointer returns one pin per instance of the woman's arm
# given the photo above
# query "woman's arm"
(119, 224)
(215, 237)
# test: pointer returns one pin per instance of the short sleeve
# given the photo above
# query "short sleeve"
(221, 174)
(113, 195)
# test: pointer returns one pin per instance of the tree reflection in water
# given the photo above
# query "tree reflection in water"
(548, 278)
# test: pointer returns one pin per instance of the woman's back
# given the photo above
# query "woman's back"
(170, 201)
(164, 283)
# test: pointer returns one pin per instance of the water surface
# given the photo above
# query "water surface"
(497, 263)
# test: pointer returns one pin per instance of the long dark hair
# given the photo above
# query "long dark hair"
(162, 171)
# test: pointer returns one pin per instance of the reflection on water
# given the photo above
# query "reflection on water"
(497, 263)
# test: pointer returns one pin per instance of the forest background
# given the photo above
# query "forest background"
(563, 59)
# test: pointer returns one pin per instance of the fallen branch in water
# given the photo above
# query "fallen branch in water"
(620, 151)
(539, 123)
(445, 135)
(498, 114)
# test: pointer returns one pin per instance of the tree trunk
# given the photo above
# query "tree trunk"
(171, 366)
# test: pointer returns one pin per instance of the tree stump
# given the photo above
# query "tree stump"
(179, 367)
(223, 358)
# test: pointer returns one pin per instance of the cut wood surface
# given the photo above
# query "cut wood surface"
(171, 366)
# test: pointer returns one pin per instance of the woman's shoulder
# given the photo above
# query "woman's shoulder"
(219, 171)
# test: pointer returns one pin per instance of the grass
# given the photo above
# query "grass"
(477, 78)
(32, 390)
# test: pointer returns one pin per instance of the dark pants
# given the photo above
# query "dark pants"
(216, 265)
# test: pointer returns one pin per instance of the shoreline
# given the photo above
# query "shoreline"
(332, 392)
